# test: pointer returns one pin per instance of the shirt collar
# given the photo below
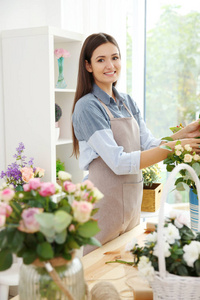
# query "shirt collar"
(103, 96)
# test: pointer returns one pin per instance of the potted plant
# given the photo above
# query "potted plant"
(152, 189)
(58, 114)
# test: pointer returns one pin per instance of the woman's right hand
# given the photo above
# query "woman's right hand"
(193, 142)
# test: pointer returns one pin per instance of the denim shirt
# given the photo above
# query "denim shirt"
(93, 130)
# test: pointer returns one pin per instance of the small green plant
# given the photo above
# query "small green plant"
(151, 175)
(60, 166)
(58, 112)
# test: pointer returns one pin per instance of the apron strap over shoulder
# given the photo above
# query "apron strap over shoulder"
(109, 112)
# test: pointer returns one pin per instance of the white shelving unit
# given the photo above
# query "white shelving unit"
(30, 73)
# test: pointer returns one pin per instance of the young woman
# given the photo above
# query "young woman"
(111, 138)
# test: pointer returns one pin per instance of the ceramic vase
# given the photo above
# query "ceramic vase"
(194, 210)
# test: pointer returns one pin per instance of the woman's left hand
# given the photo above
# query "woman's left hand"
(192, 130)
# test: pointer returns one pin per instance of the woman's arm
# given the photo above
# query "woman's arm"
(155, 155)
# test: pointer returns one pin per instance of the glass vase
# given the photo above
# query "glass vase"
(35, 282)
(61, 84)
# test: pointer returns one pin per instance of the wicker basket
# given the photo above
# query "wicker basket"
(167, 286)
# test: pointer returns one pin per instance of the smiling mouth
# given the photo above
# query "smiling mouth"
(110, 73)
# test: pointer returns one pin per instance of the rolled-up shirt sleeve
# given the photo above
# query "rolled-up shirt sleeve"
(120, 162)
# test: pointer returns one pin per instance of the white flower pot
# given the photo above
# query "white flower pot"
(57, 133)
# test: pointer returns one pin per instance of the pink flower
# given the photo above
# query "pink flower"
(27, 174)
(28, 223)
(5, 209)
(47, 189)
(181, 219)
(34, 183)
(7, 194)
(26, 187)
(2, 220)
(61, 53)
(39, 172)
(82, 210)
(69, 186)
(72, 227)
(89, 185)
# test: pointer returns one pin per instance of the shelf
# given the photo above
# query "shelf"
(64, 90)
(63, 142)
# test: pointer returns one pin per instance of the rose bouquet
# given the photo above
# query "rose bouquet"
(35, 226)
(20, 172)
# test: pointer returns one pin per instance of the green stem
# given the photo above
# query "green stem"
(121, 262)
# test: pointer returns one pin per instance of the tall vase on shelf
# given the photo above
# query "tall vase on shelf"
(60, 55)
(61, 84)
(194, 210)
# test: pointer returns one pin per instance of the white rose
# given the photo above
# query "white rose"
(179, 147)
(187, 158)
(97, 194)
(196, 157)
(171, 233)
(192, 252)
(178, 152)
(188, 148)
(62, 175)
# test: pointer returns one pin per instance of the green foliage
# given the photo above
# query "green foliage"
(172, 69)
(60, 166)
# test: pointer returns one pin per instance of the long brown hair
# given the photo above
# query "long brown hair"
(85, 79)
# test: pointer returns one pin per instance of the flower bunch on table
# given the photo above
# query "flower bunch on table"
(20, 171)
(182, 155)
(181, 249)
(37, 225)
(60, 52)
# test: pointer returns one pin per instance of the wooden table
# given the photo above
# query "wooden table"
(120, 275)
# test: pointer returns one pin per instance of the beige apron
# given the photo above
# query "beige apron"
(119, 210)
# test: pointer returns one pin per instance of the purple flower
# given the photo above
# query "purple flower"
(20, 148)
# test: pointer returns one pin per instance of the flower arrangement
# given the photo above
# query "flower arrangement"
(35, 226)
(181, 249)
(151, 175)
(20, 172)
(182, 155)
(60, 52)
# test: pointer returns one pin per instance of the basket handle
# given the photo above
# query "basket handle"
(160, 240)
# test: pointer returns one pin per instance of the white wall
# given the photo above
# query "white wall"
(22, 14)
(84, 16)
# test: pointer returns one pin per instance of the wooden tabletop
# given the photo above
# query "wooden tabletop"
(124, 277)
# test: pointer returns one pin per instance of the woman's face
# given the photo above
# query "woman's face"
(105, 65)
